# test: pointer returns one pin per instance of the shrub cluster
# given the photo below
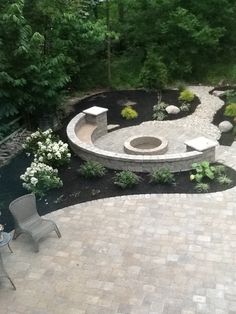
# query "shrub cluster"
(92, 169)
(48, 151)
(39, 178)
(159, 111)
(129, 113)
(47, 148)
(126, 179)
(204, 171)
(230, 110)
(186, 96)
(163, 176)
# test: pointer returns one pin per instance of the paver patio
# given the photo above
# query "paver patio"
(167, 254)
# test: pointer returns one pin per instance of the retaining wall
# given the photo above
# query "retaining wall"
(140, 163)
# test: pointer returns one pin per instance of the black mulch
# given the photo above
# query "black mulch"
(77, 189)
(144, 102)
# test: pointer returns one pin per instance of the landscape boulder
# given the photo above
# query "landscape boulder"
(172, 109)
(225, 126)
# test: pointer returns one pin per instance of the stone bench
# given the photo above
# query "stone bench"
(88, 126)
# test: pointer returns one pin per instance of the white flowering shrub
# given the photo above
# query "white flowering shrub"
(31, 142)
(47, 148)
(39, 178)
(53, 153)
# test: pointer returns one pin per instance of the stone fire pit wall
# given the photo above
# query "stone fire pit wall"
(140, 163)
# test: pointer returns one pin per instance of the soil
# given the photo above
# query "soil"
(76, 189)
(226, 138)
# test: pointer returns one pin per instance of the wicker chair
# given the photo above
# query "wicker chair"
(27, 220)
(3, 273)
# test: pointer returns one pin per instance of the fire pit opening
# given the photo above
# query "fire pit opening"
(146, 145)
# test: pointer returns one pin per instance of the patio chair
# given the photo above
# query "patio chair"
(27, 220)
(3, 273)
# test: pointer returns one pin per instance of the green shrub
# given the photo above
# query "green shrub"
(154, 73)
(231, 96)
(186, 95)
(185, 107)
(162, 176)
(47, 148)
(159, 116)
(181, 86)
(161, 106)
(92, 169)
(39, 178)
(159, 112)
(31, 143)
(129, 113)
(202, 170)
(224, 180)
(126, 179)
(202, 187)
(230, 110)
(219, 170)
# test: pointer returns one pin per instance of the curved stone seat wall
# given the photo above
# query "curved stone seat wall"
(140, 163)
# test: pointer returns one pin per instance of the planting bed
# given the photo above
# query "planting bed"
(226, 138)
(77, 189)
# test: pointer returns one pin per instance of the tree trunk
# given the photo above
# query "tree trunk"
(121, 11)
(108, 42)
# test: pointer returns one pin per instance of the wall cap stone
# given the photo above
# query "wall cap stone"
(201, 143)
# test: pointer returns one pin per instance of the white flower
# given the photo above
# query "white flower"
(34, 181)
(40, 158)
(49, 156)
(69, 155)
(58, 155)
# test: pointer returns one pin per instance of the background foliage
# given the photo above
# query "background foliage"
(50, 47)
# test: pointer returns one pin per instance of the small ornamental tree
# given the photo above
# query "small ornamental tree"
(154, 74)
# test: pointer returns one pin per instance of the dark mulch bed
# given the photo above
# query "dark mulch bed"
(226, 138)
(76, 189)
(144, 102)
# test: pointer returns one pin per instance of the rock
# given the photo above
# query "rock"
(225, 126)
(172, 109)
(218, 93)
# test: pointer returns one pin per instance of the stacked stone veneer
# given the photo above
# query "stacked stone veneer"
(141, 163)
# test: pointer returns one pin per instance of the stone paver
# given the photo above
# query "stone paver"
(162, 254)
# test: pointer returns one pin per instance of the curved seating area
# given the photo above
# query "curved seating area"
(91, 124)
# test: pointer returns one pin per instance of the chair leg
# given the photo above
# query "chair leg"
(36, 245)
(57, 231)
(16, 234)
(14, 287)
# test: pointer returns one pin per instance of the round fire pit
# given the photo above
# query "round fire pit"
(146, 145)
